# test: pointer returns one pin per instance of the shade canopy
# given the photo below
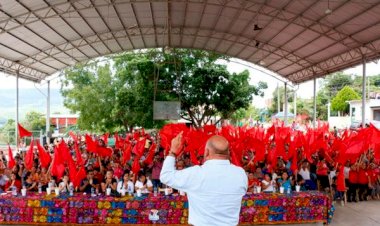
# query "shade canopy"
(297, 39)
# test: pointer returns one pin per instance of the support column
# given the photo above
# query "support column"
(48, 113)
(286, 104)
(363, 93)
(278, 99)
(17, 110)
(315, 102)
(295, 104)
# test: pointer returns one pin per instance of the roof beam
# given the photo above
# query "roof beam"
(138, 23)
(105, 23)
(28, 43)
(337, 41)
(122, 23)
(220, 11)
(91, 28)
(245, 27)
(199, 23)
(183, 22)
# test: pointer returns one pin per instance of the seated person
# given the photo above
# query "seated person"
(143, 184)
(285, 181)
(252, 181)
(29, 184)
(15, 181)
(267, 183)
(125, 184)
(89, 182)
(64, 184)
(109, 182)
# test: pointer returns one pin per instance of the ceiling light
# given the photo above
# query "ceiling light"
(328, 11)
(262, 63)
(257, 28)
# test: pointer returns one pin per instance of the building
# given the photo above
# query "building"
(63, 121)
(372, 111)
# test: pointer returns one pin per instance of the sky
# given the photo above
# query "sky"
(305, 90)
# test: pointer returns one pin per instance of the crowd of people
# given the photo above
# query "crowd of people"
(126, 170)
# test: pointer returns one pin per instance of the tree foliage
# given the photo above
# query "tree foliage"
(339, 102)
(122, 96)
(34, 121)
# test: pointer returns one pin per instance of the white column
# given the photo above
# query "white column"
(315, 103)
(363, 93)
(48, 113)
(329, 111)
(17, 109)
(295, 103)
(278, 99)
(286, 104)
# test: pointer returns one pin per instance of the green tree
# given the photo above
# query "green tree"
(34, 121)
(7, 134)
(120, 98)
(245, 114)
(335, 82)
(339, 103)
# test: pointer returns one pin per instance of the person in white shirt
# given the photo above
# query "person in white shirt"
(267, 183)
(125, 184)
(143, 184)
(64, 184)
(215, 189)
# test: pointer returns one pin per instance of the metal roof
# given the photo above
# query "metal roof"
(298, 39)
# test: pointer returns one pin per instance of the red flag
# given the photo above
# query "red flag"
(136, 165)
(64, 152)
(127, 153)
(23, 132)
(73, 136)
(81, 174)
(138, 149)
(44, 157)
(294, 166)
(91, 144)
(29, 156)
(11, 162)
(193, 157)
(72, 170)
(149, 158)
(105, 138)
(118, 141)
(104, 151)
(78, 155)
(57, 168)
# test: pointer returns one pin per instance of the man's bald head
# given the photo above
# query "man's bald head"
(218, 145)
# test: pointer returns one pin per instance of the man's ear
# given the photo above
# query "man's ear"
(206, 154)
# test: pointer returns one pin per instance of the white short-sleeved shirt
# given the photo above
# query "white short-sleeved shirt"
(139, 185)
(214, 190)
(130, 186)
(269, 188)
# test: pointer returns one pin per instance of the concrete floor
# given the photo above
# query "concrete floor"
(357, 214)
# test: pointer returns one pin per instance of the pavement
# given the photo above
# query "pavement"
(357, 214)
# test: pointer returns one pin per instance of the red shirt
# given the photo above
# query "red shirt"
(322, 169)
(353, 177)
(363, 177)
(373, 175)
(254, 181)
(17, 184)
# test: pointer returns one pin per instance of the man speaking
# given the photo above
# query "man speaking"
(214, 190)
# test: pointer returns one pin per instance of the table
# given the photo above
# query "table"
(263, 208)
